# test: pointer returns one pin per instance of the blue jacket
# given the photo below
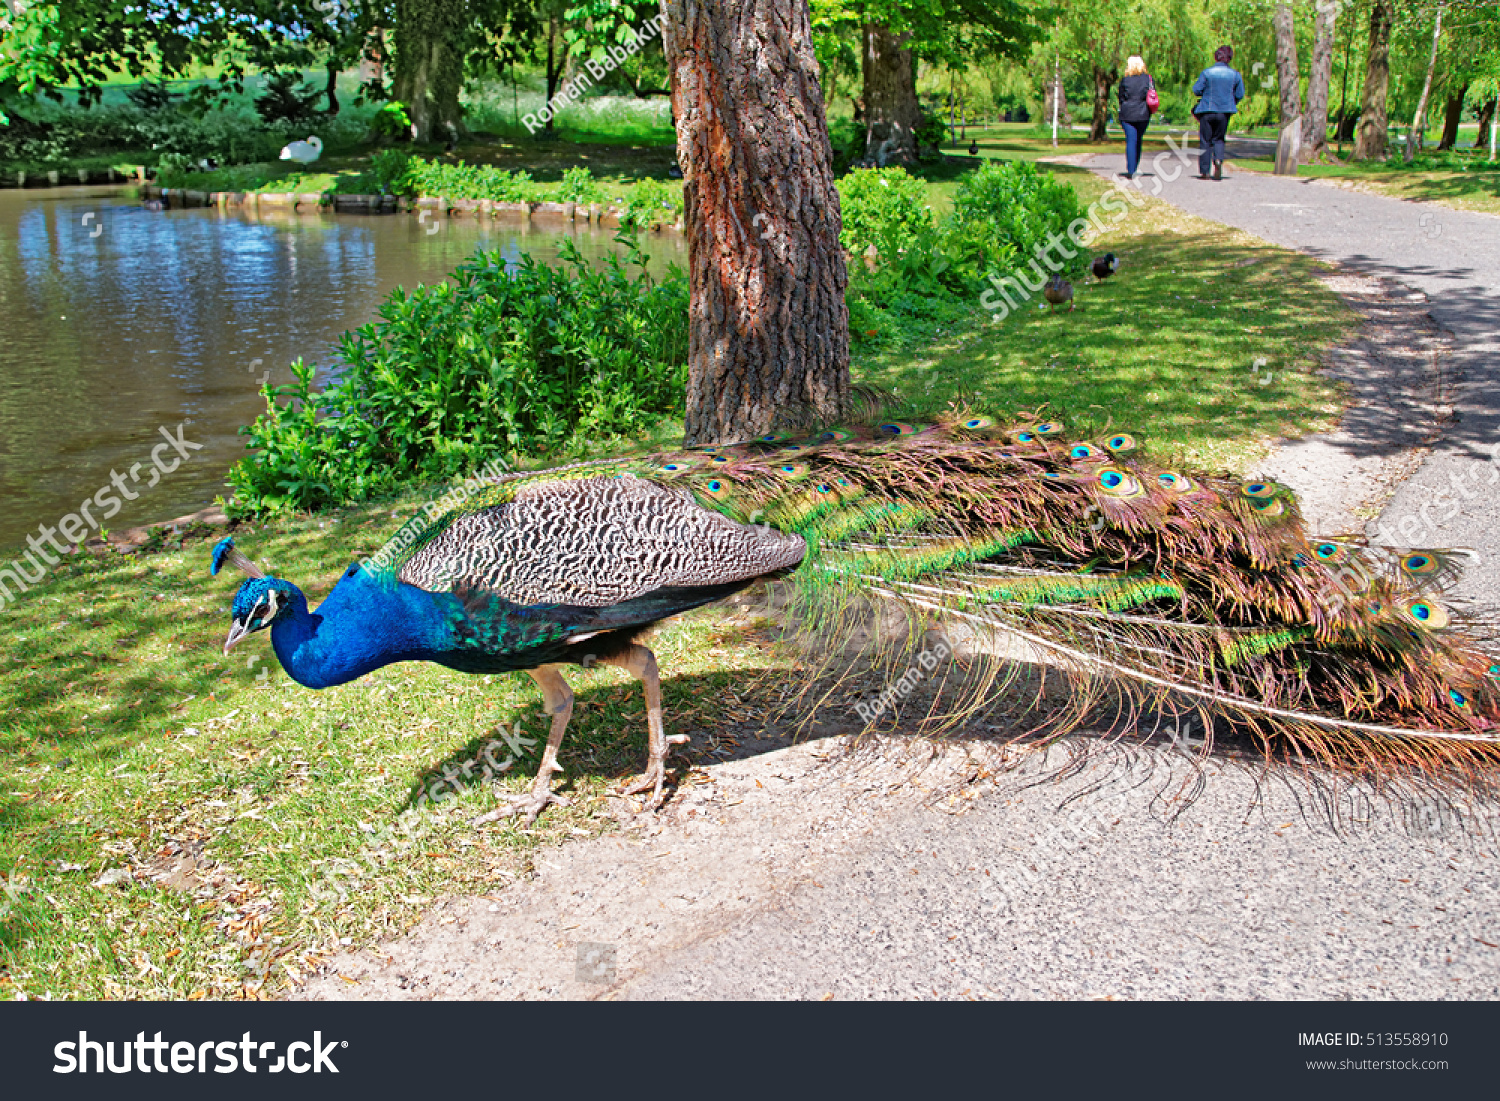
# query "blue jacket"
(1221, 89)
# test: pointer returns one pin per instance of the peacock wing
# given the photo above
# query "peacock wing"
(593, 554)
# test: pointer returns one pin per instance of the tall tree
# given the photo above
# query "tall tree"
(1289, 142)
(769, 328)
(1453, 113)
(895, 34)
(892, 113)
(1419, 119)
(1370, 139)
(1315, 122)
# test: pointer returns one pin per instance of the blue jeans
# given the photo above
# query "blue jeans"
(1212, 126)
(1135, 134)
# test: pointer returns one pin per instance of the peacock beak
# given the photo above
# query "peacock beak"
(237, 631)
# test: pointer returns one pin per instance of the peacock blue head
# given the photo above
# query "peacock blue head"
(260, 602)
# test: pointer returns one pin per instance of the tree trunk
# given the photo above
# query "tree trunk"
(331, 89)
(1419, 119)
(1315, 122)
(892, 113)
(768, 348)
(1104, 80)
(554, 68)
(1055, 90)
(1289, 143)
(1453, 112)
(1486, 114)
(1370, 139)
(429, 49)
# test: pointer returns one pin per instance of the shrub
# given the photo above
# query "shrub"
(883, 207)
(579, 186)
(287, 99)
(465, 181)
(534, 356)
(1003, 211)
(392, 122)
(652, 202)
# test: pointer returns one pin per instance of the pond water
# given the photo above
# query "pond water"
(117, 322)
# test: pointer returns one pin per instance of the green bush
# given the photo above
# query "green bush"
(466, 181)
(392, 122)
(579, 186)
(883, 207)
(1003, 212)
(530, 357)
(929, 275)
(652, 202)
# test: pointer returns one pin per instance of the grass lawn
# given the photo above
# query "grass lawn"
(1465, 180)
(1167, 349)
(130, 742)
(175, 823)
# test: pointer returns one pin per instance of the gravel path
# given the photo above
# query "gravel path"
(811, 873)
(1451, 256)
(1092, 870)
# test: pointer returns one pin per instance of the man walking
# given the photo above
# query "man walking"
(1219, 90)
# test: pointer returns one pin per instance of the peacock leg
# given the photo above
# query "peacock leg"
(640, 663)
(558, 699)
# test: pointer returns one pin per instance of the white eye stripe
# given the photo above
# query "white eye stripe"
(273, 601)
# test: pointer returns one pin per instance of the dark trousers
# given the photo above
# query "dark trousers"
(1135, 134)
(1212, 126)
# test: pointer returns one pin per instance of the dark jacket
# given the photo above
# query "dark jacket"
(1133, 98)
(1220, 89)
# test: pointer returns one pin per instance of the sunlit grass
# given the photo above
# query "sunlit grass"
(130, 740)
(1205, 344)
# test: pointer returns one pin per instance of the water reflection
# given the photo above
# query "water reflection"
(115, 320)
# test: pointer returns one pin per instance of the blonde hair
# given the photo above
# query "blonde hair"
(1135, 66)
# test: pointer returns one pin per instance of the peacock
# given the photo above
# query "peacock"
(1175, 588)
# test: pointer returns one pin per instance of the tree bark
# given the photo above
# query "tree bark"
(892, 113)
(1370, 138)
(1419, 118)
(1104, 80)
(1453, 112)
(1289, 143)
(554, 69)
(1054, 90)
(429, 47)
(768, 345)
(1486, 114)
(1315, 122)
(331, 89)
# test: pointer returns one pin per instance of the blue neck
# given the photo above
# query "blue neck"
(365, 623)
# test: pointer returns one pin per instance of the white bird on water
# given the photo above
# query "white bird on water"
(303, 152)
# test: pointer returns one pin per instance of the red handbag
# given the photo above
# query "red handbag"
(1153, 101)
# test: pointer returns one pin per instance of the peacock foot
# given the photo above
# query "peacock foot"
(526, 807)
(656, 773)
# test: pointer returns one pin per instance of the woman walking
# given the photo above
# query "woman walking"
(1220, 90)
(1136, 93)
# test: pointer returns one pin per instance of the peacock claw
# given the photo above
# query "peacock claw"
(656, 773)
(526, 807)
